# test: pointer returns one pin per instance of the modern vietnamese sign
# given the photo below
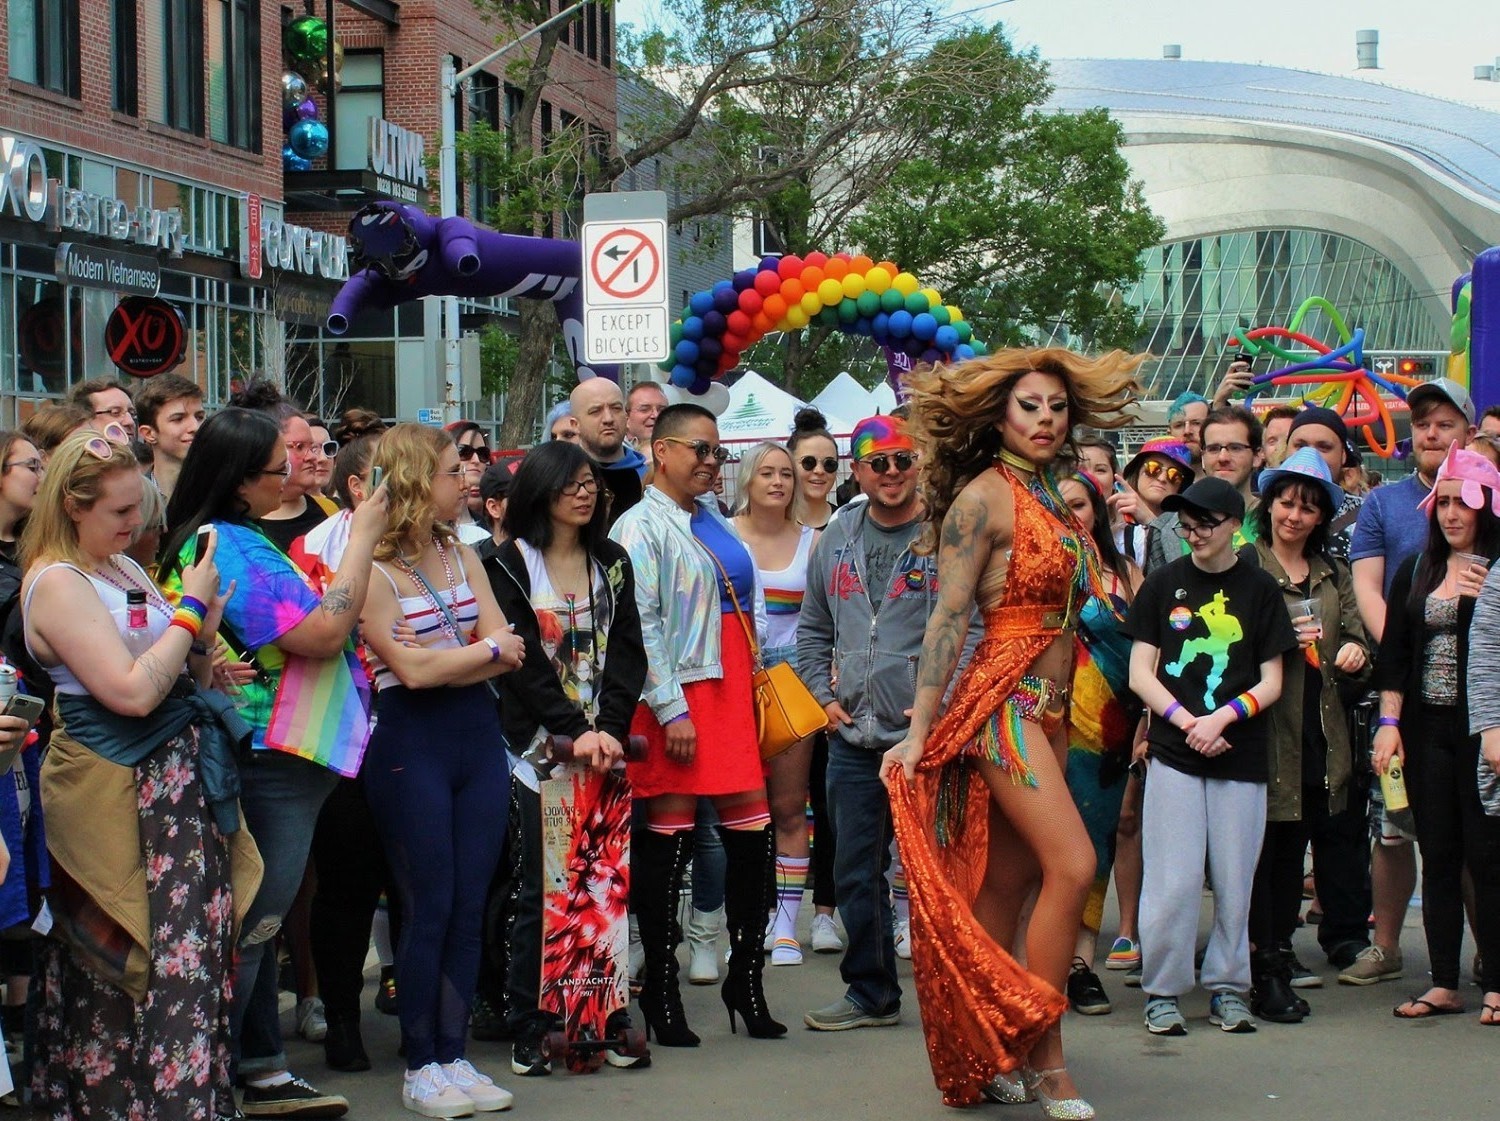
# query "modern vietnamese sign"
(398, 157)
(92, 266)
(27, 192)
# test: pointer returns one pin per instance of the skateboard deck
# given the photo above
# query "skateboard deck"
(585, 904)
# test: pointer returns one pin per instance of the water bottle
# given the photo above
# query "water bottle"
(8, 683)
(137, 631)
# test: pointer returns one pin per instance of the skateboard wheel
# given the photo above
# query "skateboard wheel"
(554, 1045)
(634, 1041)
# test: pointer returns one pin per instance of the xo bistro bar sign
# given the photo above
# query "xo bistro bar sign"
(27, 192)
(398, 157)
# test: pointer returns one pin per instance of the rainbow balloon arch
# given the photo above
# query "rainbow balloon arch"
(854, 294)
(1335, 376)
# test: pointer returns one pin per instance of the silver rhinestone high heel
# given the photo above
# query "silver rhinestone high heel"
(1060, 1109)
(1007, 1089)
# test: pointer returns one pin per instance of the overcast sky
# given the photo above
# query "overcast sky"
(1419, 48)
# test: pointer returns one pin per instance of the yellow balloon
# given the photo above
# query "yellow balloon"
(797, 317)
(877, 280)
(831, 292)
(954, 314)
(905, 283)
(812, 303)
(784, 324)
(933, 299)
(854, 285)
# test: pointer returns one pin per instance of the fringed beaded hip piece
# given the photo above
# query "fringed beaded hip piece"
(981, 1012)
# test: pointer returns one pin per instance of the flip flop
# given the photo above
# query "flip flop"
(1494, 1011)
(1432, 1010)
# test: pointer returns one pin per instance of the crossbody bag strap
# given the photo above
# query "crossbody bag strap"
(734, 598)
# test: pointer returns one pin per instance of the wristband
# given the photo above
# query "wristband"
(195, 605)
(188, 621)
(198, 648)
(1172, 710)
(675, 719)
(1388, 722)
(1245, 706)
(494, 648)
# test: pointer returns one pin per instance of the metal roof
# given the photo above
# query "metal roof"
(1460, 142)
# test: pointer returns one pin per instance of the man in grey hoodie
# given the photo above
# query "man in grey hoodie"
(858, 640)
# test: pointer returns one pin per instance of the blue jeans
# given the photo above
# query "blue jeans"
(281, 796)
(861, 814)
(708, 859)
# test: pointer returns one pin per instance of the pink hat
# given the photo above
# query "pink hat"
(1475, 471)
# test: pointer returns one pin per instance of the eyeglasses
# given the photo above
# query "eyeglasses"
(810, 463)
(1202, 529)
(467, 452)
(32, 465)
(284, 470)
(880, 464)
(456, 473)
(702, 449)
(575, 487)
(1156, 469)
(330, 448)
(119, 412)
(1236, 449)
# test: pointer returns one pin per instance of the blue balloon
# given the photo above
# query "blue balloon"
(309, 139)
(924, 327)
(963, 352)
(861, 326)
(290, 161)
(692, 328)
(900, 324)
(683, 376)
(880, 326)
(726, 299)
(946, 338)
(687, 352)
(714, 324)
(701, 303)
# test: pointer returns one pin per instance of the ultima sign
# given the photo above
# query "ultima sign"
(27, 192)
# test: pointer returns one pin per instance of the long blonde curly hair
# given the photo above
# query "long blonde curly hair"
(409, 454)
(956, 410)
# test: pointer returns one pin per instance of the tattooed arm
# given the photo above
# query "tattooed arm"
(324, 631)
(977, 526)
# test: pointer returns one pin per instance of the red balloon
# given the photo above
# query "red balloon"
(734, 342)
(727, 362)
(739, 324)
(789, 266)
(816, 258)
(751, 300)
(767, 281)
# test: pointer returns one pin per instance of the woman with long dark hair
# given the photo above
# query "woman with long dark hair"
(1310, 757)
(559, 568)
(437, 777)
(307, 702)
(1423, 677)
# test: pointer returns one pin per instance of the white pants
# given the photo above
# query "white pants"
(1183, 820)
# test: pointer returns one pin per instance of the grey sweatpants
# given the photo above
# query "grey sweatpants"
(1184, 819)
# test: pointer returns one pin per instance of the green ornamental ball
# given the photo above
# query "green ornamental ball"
(916, 303)
(848, 311)
(307, 39)
(940, 313)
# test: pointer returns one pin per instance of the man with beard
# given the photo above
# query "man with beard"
(599, 408)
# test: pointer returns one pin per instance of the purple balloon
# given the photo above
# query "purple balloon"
(726, 299)
(307, 109)
(709, 349)
(743, 279)
(714, 323)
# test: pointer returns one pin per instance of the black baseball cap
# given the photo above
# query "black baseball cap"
(1209, 495)
(495, 482)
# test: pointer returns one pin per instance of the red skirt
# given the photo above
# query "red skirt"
(727, 759)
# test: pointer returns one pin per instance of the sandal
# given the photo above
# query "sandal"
(1493, 1012)
(1432, 1009)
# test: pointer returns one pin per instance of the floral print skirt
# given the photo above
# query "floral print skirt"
(101, 1054)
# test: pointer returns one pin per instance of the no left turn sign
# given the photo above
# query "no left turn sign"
(625, 264)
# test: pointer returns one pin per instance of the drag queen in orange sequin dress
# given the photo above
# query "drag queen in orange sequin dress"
(986, 819)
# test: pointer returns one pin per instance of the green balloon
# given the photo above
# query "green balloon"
(965, 332)
(675, 334)
(891, 300)
(917, 303)
(979, 348)
(940, 313)
(868, 304)
(307, 39)
(828, 317)
(848, 310)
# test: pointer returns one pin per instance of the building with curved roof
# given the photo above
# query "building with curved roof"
(1280, 184)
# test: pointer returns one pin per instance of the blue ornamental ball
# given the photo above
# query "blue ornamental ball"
(683, 375)
(309, 139)
(290, 161)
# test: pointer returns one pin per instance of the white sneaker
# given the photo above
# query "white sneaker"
(903, 940)
(479, 1088)
(312, 1024)
(769, 943)
(786, 951)
(429, 1093)
(825, 936)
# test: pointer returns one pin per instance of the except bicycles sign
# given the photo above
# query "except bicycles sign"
(625, 277)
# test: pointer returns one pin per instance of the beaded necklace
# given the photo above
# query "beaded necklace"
(425, 590)
(154, 598)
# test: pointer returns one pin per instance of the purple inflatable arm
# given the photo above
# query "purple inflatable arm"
(1484, 330)
(407, 254)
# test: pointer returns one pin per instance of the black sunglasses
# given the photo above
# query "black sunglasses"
(810, 463)
(880, 464)
(701, 448)
(467, 452)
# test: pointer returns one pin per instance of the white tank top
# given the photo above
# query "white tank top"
(428, 621)
(126, 575)
(784, 589)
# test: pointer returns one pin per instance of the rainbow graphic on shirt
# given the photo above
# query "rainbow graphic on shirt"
(1224, 630)
(783, 601)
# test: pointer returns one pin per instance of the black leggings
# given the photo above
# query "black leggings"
(824, 841)
(352, 874)
(1441, 760)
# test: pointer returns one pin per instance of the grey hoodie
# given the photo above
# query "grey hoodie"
(849, 653)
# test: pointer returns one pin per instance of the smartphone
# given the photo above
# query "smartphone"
(376, 475)
(200, 545)
(28, 709)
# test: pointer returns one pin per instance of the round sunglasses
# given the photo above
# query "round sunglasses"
(810, 463)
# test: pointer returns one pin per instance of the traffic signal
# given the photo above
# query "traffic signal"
(1416, 367)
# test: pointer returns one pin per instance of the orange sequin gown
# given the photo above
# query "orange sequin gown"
(982, 1013)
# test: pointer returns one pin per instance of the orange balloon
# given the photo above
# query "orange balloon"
(775, 306)
(812, 276)
(837, 268)
(862, 265)
(762, 323)
(889, 267)
(792, 290)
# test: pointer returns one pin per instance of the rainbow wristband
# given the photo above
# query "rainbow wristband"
(189, 620)
(1245, 706)
(194, 604)
(1172, 710)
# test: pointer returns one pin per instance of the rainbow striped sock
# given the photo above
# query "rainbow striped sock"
(899, 897)
(791, 880)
